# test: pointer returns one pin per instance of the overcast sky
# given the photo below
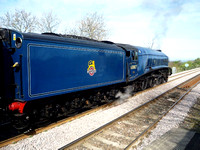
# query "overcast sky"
(174, 25)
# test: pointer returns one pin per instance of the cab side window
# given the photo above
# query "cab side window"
(135, 55)
(128, 53)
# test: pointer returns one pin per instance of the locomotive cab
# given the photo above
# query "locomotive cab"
(132, 55)
(133, 65)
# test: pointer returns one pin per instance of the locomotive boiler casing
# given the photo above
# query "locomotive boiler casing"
(151, 60)
(142, 61)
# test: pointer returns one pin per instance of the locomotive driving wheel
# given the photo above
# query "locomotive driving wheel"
(143, 84)
(151, 82)
(21, 121)
(160, 80)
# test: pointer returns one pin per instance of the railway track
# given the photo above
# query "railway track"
(127, 131)
(180, 74)
(173, 78)
(39, 130)
(42, 129)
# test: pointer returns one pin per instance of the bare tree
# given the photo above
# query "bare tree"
(20, 20)
(91, 26)
(49, 22)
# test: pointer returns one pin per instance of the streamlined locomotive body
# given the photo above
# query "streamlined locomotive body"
(34, 68)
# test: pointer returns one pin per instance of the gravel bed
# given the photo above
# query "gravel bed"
(173, 118)
(66, 133)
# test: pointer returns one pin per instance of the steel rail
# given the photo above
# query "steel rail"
(52, 125)
(181, 76)
(100, 129)
(145, 132)
(65, 120)
(184, 72)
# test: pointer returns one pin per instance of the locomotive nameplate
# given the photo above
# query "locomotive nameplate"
(133, 66)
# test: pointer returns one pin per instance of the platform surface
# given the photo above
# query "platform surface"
(176, 139)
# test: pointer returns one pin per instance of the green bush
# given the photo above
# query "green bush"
(180, 66)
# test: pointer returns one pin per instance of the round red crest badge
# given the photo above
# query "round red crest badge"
(91, 68)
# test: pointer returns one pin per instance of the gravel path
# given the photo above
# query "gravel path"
(173, 118)
(66, 133)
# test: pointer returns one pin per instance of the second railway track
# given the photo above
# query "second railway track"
(127, 130)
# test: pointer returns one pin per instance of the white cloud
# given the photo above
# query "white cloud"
(181, 48)
(129, 21)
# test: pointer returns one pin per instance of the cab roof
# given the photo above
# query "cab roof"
(142, 50)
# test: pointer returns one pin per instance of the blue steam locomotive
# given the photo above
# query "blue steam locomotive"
(45, 75)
